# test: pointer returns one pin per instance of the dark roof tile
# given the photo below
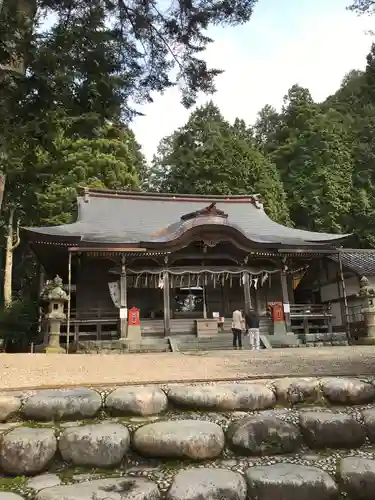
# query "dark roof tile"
(132, 218)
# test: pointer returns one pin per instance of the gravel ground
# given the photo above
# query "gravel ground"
(28, 371)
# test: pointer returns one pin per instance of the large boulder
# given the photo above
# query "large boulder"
(348, 391)
(290, 482)
(223, 397)
(194, 439)
(97, 445)
(331, 430)
(137, 401)
(357, 477)
(103, 489)
(7, 495)
(27, 451)
(9, 406)
(207, 484)
(369, 420)
(60, 404)
(297, 390)
(263, 435)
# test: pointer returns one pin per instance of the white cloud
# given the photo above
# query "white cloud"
(263, 59)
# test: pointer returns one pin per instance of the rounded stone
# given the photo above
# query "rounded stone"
(60, 404)
(357, 477)
(290, 482)
(369, 420)
(9, 406)
(193, 439)
(96, 445)
(348, 391)
(207, 484)
(301, 390)
(27, 451)
(142, 401)
(263, 435)
(7, 495)
(331, 430)
(103, 489)
(42, 481)
(223, 397)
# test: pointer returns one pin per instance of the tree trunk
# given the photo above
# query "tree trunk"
(12, 240)
(2, 186)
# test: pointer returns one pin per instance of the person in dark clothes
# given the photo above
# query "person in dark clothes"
(252, 325)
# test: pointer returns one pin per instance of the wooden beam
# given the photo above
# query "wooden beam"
(286, 304)
(106, 249)
(247, 292)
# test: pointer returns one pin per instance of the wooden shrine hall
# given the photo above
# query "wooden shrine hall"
(185, 261)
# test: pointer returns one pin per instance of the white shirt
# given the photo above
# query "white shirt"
(237, 320)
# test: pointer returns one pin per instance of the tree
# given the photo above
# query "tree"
(355, 100)
(148, 46)
(210, 156)
(266, 125)
(310, 151)
(12, 241)
(110, 160)
(363, 6)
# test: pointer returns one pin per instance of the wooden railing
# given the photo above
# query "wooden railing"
(94, 313)
(310, 310)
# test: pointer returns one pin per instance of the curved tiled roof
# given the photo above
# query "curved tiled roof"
(117, 217)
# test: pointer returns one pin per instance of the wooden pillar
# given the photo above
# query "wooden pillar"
(247, 292)
(69, 301)
(345, 300)
(285, 296)
(167, 304)
(123, 300)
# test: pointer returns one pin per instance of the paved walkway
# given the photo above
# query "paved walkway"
(21, 371)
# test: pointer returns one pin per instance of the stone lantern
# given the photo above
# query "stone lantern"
(56, 297)
(368, 310)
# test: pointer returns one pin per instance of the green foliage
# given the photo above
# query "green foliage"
(110, 54)
(18, 324)
(210, 156)
(110, 159)
(363, 6)
(309, 149)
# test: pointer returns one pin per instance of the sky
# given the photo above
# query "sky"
(310, 42)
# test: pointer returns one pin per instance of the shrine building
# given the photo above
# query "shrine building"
(185, 261)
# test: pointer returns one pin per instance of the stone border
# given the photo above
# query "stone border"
(354, 477)
(84, 428)
(145, 400)
(26, 450)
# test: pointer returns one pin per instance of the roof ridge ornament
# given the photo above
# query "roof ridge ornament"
(210, 211)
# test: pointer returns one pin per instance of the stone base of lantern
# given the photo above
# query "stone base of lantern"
(53, 350)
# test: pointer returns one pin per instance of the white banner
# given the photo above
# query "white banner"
(114, 290)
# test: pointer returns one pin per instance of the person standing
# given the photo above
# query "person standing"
(252, 324)
(237, 326)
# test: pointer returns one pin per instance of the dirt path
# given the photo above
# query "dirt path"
(21, 371)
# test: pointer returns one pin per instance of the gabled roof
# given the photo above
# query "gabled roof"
(361, 262)
(115, 217)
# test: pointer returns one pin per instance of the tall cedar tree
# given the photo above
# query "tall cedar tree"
(210, 156)
(356, 101)
(309, 149)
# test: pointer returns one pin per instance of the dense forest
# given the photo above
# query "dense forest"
(68, 93)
